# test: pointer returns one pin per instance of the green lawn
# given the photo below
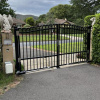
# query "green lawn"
(64, 47)
(76, 35)
(40, 38)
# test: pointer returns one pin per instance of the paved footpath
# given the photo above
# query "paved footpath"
(80, 82)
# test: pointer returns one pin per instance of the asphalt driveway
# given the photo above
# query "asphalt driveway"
(80, 82)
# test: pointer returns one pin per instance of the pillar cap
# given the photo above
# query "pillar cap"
(3, 31)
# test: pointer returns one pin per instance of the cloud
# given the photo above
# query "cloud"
(35, 7)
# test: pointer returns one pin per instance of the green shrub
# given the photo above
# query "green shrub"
(96, 40)
(26, 26)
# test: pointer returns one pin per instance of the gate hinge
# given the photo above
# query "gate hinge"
(19, 59)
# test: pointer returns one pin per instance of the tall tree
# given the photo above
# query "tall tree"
(49, 18)
(83, 8)
(42, 17)
(62, 11)
(5, 8)
(86, 7)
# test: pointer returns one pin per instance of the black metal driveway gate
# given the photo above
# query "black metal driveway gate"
(51, 46)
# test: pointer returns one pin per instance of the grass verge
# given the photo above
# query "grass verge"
(8, 81)
(5, 79)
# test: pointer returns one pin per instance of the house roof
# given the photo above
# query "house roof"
(18, 21)
(62, 21)
(58, 21)
(40, 24)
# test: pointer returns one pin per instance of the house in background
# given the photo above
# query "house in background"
(58, 21)
(62, 21)
(41, 24)
(17, 22)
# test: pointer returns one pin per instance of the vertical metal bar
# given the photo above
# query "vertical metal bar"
(66, 30)
(48, 46)
(84, 30)
(54, 44)
(61, 45)
(16, 49)
(88, 43)
(85, 48)
(42, 46)
(39, 45)
(69, 45)
(19, 54)
(81, 44)
(64, 46)
(58, 46)
(23, 47)
(33, 49)
(74, 45)
(71, 41)
(26, 48)
(79, 35)
(76, 42)
(45, 46)
(36, 47)
(51, 45)
(82, 37)
(30, 47)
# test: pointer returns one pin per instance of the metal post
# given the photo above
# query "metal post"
(58, 46)
(17, 66)
(91, 36)
(88, 43)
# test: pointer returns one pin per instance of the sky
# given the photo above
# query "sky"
(34, 7)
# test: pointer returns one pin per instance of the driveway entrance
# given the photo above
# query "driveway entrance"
(80, 82)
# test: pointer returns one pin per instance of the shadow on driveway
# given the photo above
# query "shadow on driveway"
(80, 82)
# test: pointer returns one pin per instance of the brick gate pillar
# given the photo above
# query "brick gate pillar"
(7, 48)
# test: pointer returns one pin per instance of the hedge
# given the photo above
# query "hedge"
(96, 37)
(96, 40)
